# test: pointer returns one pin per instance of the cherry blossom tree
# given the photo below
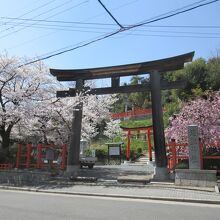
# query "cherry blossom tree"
(52, 119)
(21, 89)
(112, 128)
(30, 110)
(203, 112)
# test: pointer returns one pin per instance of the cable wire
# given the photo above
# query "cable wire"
(110, 14)
(26, 13)
(119, 31)
(49, 16)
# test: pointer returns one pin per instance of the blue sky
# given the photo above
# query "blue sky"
(140, 44)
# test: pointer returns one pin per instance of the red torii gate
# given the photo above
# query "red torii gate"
(148, 131)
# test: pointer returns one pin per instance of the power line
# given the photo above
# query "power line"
(73, 28)
(42, 36)
(56, 21)
(85, 24)
(110, 14)
(175, 36)
(184, 26)
(195, 35)
(176, 10)
(91, 29)
(49, 16)
(116, 8)
(119, 31)
(174, 14)
(35, 17)
(71, 49)
(26, 13)
(72, 22)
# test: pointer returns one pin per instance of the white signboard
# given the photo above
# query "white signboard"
(93, 153)
(113, 151)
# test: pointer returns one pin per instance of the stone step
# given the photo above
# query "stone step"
(144, 159)
(134, 179)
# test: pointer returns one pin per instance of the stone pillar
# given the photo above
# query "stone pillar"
(161, 172)
(74, 146)
(194, 176)
(194, 149)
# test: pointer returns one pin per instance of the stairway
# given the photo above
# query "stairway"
(144, 160)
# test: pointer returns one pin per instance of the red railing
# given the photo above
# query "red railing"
(179, 152)
(136, 112)
(133, 113)
(5, 166)
(29, 156)
(176, 153)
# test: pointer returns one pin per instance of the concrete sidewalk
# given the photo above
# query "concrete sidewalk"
(103, 181)
(155, 191)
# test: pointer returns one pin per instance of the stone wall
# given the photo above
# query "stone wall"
(200, 178)
(23, 177)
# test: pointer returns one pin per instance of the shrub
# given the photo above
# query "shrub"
(101, 152)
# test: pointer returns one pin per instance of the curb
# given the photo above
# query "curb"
(186, 200)
(140, 184)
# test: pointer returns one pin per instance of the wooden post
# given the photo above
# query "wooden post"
(128, 146)
(63, 157)
(29, 146)
(158, 128)
(39, 155)
(149, 144)
(174, 158)
(18, 156)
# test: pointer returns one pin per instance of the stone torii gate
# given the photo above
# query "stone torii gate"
(154, 68)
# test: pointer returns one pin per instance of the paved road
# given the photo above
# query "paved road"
(35, 206)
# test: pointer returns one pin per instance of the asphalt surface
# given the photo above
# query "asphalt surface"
(107, 186)
(35, 206)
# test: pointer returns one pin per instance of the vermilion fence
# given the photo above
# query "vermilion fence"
(5, 166)
(29, 156)
(133, 113)
(177, 153)
(136, 112)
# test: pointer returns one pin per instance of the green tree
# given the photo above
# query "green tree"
(213, 78)
(137, 99)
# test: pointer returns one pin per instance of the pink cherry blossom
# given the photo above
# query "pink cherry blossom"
(204, 112)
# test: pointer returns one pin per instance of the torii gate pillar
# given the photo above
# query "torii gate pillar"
(160, 172)
(75, 136)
